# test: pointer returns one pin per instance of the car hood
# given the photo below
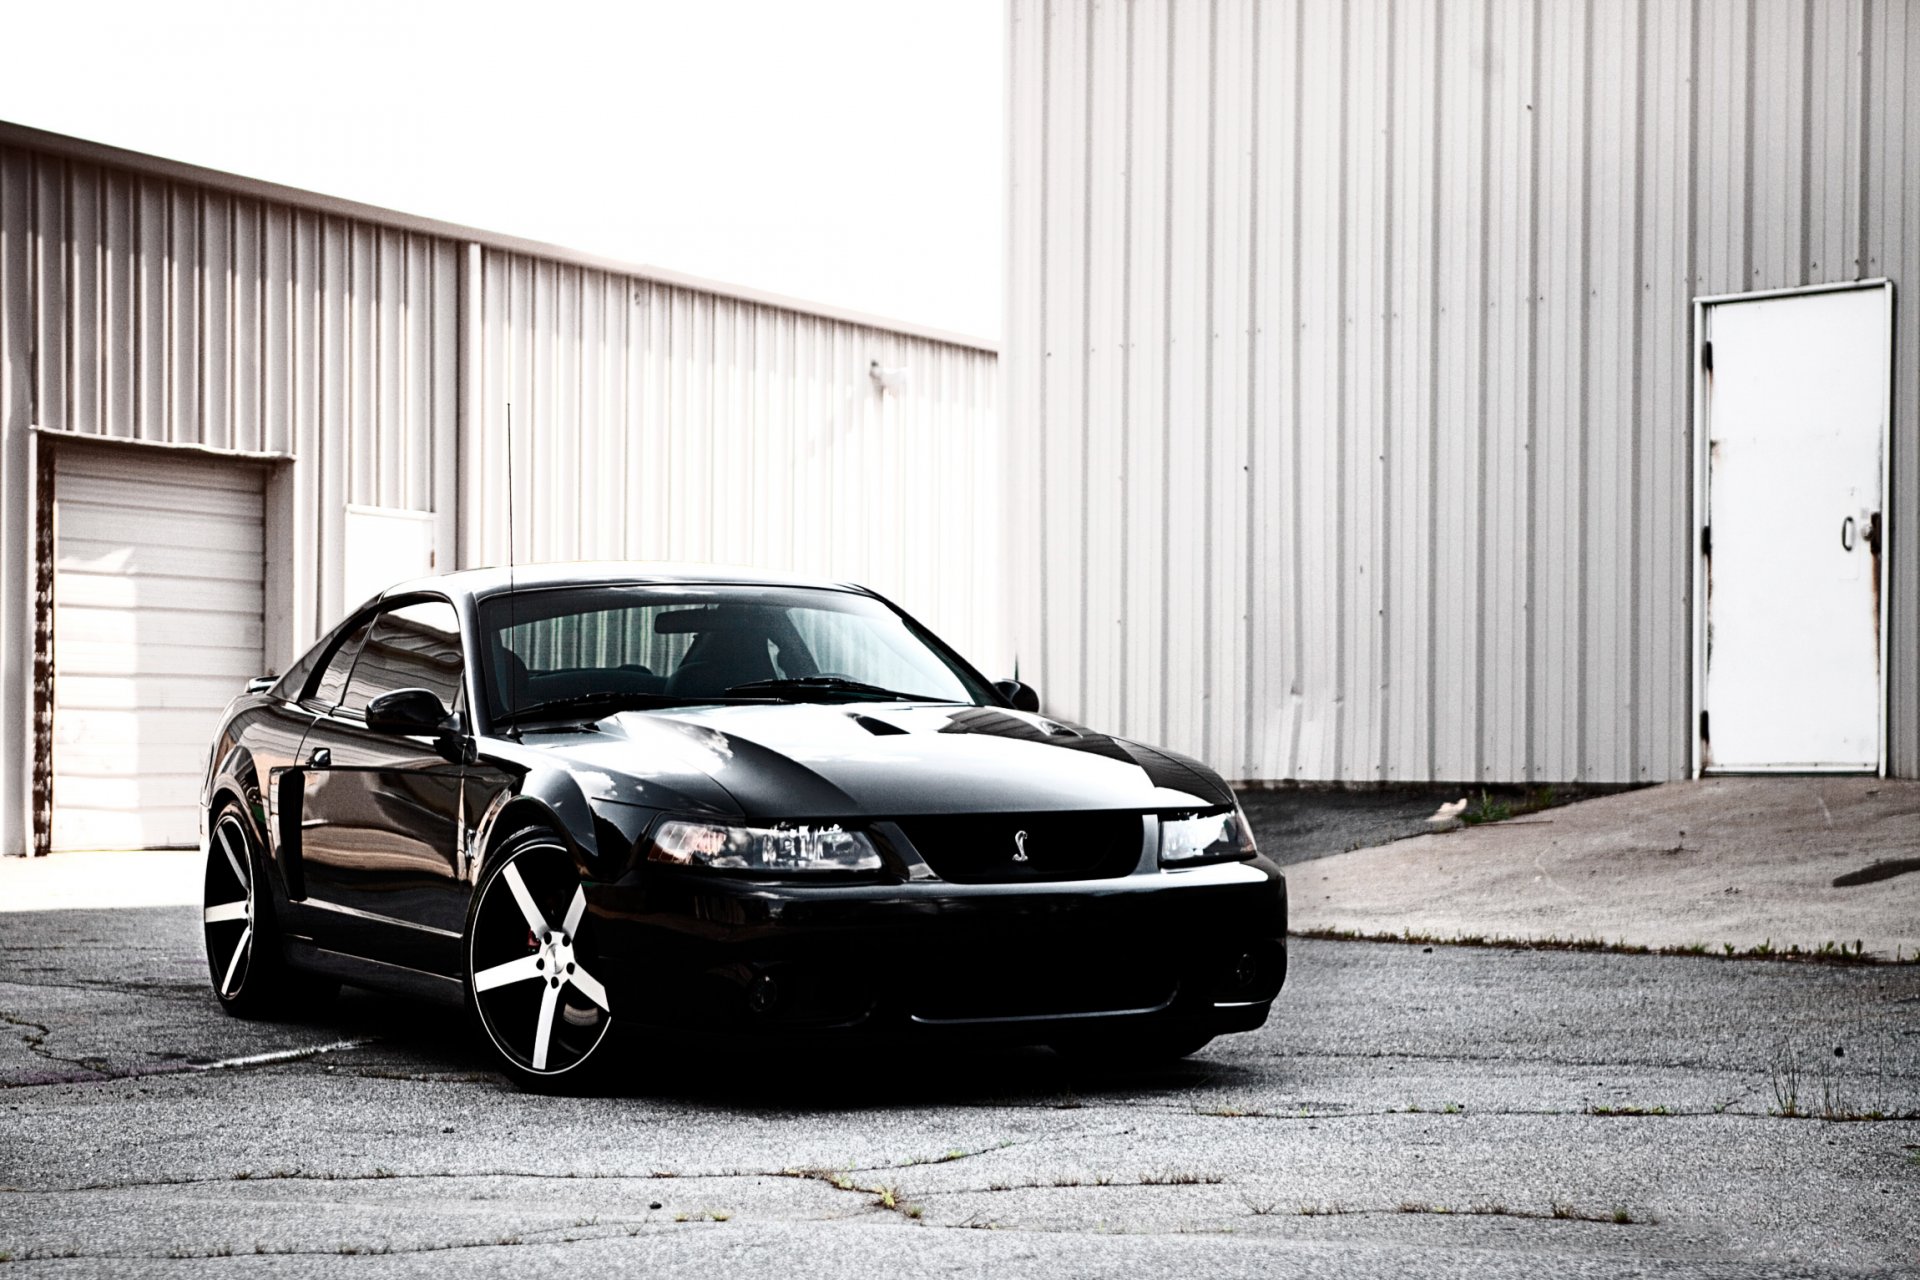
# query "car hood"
(808, 760)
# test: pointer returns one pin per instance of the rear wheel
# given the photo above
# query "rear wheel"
(243, 947)
(533, 976)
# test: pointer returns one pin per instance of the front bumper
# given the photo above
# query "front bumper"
(1200, 950)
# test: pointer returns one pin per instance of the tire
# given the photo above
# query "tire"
(1118, 1051)
(244, 961)
(532, 977)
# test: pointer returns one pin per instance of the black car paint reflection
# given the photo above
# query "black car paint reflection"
(1018, 894)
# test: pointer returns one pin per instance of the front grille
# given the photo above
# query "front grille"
(988, 848)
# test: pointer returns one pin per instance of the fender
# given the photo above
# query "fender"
(509, 785)
(257, 742)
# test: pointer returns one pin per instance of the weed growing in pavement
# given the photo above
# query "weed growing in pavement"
(885, 1195)
(1783, 1072)
(1827, 953)
(1559, 1209)
(1486, 809)
(1499, 808)
(1833, 1102)
(1179, 1178)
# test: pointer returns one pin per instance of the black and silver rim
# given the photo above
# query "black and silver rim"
(229, 906)
(541, 1007)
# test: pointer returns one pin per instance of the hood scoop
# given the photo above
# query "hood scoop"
(877, 727)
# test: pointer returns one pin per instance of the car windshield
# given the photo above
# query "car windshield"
(574, 649)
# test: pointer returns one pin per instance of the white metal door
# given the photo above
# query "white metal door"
(1794, 403)
(158, 563)
(384, 545)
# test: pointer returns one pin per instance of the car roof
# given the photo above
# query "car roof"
(480, 583)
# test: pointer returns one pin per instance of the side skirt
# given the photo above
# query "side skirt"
(360, 971)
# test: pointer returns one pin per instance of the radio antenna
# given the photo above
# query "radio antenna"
(513, 600)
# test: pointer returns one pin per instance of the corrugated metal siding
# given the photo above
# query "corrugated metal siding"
(178, 315)
(183, 316)
(375, 354)
(659, 423)
(1348, 367)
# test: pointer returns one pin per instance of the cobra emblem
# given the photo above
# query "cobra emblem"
(1019, 846)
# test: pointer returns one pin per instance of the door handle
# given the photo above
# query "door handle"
(321, 758)
(1846, 534)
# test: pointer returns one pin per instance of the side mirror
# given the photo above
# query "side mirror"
(1022, 696)
(407, 711)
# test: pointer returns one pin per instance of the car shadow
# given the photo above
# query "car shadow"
(848, 1072)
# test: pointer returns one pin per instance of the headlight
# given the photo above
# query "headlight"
(780, 849)
(1187, 839)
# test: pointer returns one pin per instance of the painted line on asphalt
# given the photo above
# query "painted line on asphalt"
(83, 1074)
(282, 1055)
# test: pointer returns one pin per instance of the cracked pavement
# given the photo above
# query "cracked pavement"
(1426, 1111)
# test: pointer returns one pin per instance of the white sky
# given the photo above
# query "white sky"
(846, 151)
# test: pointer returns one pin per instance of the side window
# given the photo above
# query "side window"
(334, 678)
(413, 647)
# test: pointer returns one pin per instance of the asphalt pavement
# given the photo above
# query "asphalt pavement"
(1294, 824)
(1452, 1111)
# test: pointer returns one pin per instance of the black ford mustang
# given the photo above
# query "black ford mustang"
(678, 799)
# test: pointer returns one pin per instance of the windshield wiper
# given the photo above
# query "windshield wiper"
(829, 684)
(603, 701)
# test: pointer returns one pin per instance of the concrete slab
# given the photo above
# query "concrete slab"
(69, 881)
(1746, 862)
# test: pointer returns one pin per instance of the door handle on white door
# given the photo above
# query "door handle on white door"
(1846, 534)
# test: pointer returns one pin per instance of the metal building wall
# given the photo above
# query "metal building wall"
(173, 314)
(658, 422)
(366, 357)
(1348, 366)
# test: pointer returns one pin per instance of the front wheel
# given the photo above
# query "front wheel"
(533, 979)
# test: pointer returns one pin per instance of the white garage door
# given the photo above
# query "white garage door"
(157, 598)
